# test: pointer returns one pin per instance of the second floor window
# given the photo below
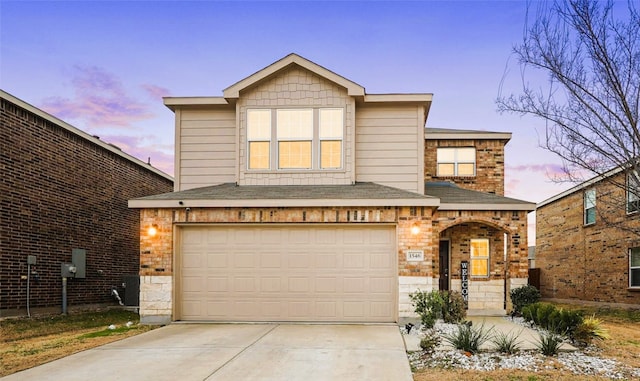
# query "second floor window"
(633, 192)
(297, 138)
(456, 161)
(590, 206)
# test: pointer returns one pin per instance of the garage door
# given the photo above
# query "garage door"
(287, 273)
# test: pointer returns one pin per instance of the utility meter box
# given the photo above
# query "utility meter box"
(79, 260)
(68, 270)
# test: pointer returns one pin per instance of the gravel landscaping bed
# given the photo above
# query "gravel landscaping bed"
(581, 362)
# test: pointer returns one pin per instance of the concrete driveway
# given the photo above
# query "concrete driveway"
(211, 352)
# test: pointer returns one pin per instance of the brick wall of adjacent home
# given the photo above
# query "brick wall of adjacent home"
(459, 227)
(489, 164)
(591, 262)
(61, 191)
(156, 255)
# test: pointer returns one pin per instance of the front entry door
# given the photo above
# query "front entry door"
(444, 265)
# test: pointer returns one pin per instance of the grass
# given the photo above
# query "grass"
(25, 343)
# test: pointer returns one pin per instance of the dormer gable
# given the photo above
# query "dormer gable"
(233, 91)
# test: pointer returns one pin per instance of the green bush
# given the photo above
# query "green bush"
(453, 309)
(507, 343)
(556, 320)
(430, 341)
(524, 296)
(468, 338)
(428, 305)
(549, 343)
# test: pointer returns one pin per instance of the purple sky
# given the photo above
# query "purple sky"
(104, 66)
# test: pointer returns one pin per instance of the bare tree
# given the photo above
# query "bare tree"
(590, 53)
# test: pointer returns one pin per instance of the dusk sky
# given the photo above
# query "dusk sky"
(104, 66)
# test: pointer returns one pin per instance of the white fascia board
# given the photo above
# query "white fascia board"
(468, 135)
(175, 102)
(408, 98)
(528, 206)
(278, 203)
(82, 134)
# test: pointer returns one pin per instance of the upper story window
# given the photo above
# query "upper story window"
(590, 206)
(298, 138)
(480, 257)
(634, 267)
(633, 192)
(259, 138)
(456, 161)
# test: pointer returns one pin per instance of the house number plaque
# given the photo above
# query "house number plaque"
(464, 280)
(415, 255)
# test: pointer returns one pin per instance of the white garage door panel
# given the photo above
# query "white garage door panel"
(292, 273)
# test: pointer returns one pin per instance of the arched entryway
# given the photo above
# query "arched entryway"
(474, 257)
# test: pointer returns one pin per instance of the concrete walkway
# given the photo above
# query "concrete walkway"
(527, 337)
(221, 352)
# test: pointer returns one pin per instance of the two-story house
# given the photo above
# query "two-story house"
(588, 247)
(300, 197)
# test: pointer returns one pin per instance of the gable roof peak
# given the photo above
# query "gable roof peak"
(233, 91)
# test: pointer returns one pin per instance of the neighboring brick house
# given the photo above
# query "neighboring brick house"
(300, 197)
(586, 247)
(63, 189)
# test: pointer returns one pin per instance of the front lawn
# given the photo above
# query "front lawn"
(25, 342)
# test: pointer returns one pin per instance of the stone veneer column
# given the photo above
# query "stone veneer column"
(155, 299)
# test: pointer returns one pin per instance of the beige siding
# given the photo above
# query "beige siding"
(207, 148)
(297, 87)
(389, 146)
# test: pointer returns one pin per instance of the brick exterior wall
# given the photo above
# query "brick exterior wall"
(591, 262)
(61, 191)
(489, 164)
(156, 253)
(459, 227)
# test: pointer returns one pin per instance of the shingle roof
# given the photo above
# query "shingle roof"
(445, 133)
(358, 194)
(452, 197)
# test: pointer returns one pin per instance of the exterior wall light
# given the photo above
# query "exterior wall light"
(152, 230)
(415, 229)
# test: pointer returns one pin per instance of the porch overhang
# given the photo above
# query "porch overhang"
(452, 197)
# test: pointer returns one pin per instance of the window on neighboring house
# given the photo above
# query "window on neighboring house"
(634, 267)
(331, 131)
(590, 206)
(303, 138)
(259, 138)
(480, 257)
(457, 161)
(633, 192)
(295, 138)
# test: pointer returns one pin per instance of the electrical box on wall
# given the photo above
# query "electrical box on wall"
(79, 260)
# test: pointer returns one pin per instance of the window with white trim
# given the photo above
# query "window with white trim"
(259, 139)
(590, 206)
(634, 267)
(480, 257)
(330, 135)
(456, 161)
(295, 139)
(294, 130)
(633, 192)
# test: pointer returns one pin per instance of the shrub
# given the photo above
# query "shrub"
(590, 328)
(453, 310)
(428, 305)
(468, 338)
(549, 343)
(524, 296)
(506, 342)
(565, 322)
(430, 341)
